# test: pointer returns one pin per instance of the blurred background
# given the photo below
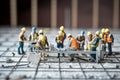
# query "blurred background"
(54, 13)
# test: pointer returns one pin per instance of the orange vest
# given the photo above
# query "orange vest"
(74, 44)
(109, 40)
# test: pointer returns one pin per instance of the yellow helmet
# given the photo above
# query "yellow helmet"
(61, 33)
(62, 28)
(89, 33)
(68, 35)
(23, 29)
(103, 30)
(107, 30)
(97, 33)
(40, 31)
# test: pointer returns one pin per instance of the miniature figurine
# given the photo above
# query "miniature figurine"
(110, 41)
(21, 41)
(88, 42)
(81, 39)
(94, 44)
(73, 44)
(103, 38)
(33, 37)
(60, 39)
(42, 44)
(42, 40)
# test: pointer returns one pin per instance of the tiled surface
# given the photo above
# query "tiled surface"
(54, 68)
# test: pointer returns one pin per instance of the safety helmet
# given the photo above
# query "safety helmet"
(97, 33)
(34, 28)
(82, 32)
(107, 30)
(23, 29)
(89, 33)
(68, 35)
(103, 30)
(61, 33)
(41, 31)
(62, 28)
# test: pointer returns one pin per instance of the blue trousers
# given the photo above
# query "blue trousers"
(20, 48)
(93, 56)
(59, 45)
(110, 48)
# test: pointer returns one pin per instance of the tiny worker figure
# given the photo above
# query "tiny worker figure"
(21, 41)
(81, 39)
(42, 40)
(110, 41)
(103, 38)
(88, 42)
(33, 37)
(94, 44)
(42, 44)
(60, 40)
(73, 45)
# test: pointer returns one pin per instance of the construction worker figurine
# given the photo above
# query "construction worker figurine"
(42, 40)
(94, 45)
(33, 37)
(60, 39)
(21, 41)
(42, 44)
(73, 45)
(110, 41)
(103, 38)
(81, 39)
(88, 42)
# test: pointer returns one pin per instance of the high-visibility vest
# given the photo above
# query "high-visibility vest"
(103, 38)
(21, 37)
(109, 39)
(74, 44)
(60, 38)
(95, 45)
(33, 36)
(42, 39)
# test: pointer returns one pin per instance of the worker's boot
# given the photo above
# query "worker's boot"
(58, 55)
(63, 55)
(72, 59)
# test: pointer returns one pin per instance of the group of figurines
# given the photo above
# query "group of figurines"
(40, 40)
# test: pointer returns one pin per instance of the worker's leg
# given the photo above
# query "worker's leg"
(22, 45)
(93, 56)
(19, 47)
(58, 46)
(109, 48)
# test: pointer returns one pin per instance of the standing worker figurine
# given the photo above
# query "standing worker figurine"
(33, 37)
(103, 38)
(60, 39)
(73, 44)
(110, 41)
(21, 41)
(81, 39)
(94, 45)
(88, 42)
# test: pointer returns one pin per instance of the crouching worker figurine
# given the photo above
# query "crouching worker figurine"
(73, 45)
(21, 41)
(42, 44)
